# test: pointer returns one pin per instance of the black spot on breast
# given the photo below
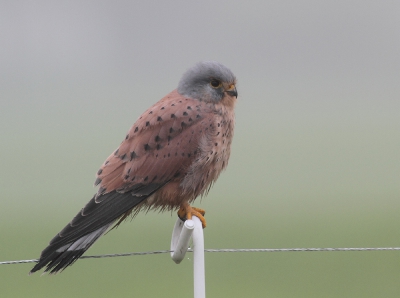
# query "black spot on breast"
(168, 155)
(219, 124)
(177, 174)
(116, 152)
(163, 108)
(157, 139)
(99, 172)
(147, 123)
(159, 118)
(183, 124)
(133, 155)
(185, 113)
(198, 116)
(158, 147)
(173, 105)
(171, 130)
(180, 101)
(189, 107)
(151, 112)
(123, 156)
(183, 154)
(154, 178)
(129, 170)
(126, 177)
(136, 129)
(97, 182)
(173, 116)
(190, 119)
(169, 139)
(127, 137)
(146, 178)
(216, 144)
(133, 178)
(146, 147)
(106, 162)
(189, 154)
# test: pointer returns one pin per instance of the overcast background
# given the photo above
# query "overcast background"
(315, 159)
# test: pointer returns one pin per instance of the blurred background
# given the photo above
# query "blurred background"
(315, 159)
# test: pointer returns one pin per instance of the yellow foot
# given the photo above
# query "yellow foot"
(186, 212)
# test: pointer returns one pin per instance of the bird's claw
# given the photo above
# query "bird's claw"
(186, 212)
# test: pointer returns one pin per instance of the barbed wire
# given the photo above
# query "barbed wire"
(222, 250)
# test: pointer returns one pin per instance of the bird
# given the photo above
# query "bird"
(171, 155)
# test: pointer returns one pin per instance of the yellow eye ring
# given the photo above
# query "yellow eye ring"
(215, 83)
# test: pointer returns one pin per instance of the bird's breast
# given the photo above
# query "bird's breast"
(214, 151)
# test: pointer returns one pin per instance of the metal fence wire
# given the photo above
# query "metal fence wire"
(223, 250)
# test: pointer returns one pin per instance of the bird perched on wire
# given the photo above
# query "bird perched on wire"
(172, 154)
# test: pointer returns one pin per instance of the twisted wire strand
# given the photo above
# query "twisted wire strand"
(221, 250)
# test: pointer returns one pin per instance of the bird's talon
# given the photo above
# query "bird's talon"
(182, 214)
(186, 212)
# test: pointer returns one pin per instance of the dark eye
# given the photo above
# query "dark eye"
(215, 83)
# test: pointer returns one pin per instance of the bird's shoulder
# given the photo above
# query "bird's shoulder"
(159, 146)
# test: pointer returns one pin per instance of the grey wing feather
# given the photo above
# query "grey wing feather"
(88, 225)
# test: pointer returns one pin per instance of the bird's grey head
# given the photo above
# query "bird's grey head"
(209, 81)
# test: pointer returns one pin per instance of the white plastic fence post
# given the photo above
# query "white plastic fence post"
(198, 260)
(179, 246)
(180, 239)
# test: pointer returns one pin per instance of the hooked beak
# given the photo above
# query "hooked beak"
(231, 90)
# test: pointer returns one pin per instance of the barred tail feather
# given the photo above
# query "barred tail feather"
(59, 259)
(89, 224)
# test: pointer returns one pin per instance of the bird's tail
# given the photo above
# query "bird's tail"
(58, 260)
(101, 212)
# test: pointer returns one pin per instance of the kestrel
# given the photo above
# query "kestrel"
(172, 154)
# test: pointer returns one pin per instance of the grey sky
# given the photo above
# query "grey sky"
(327, 71)
(262, 39)
(304, 67)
